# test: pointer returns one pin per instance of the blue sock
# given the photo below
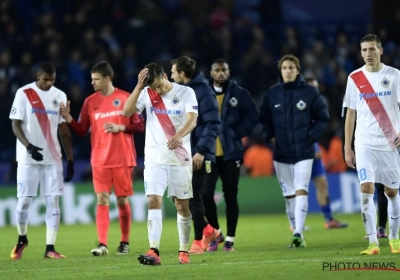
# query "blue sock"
(326, 210)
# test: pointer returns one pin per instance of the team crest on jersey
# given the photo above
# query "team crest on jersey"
(301, 105)
(175, 101)
(54, 102)
(385, 83)
(233, 101)
(116, 103)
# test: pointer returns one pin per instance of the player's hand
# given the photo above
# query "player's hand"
(111, 128)
(272, 141)
(65, 111)
(397, 141)
(350, 158)
(142, 76)
(33, 151)
(174, 142)
(70, 171)
(197, 161)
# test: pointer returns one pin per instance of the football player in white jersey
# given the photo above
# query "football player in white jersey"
(372, 100)
(35, 122)
(171, 111)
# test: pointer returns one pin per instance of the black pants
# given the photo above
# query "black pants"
(229, 171)
(196, 203)
(382, 205)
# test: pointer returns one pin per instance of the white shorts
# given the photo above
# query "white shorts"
(293, 177)
(177, 178)
(48, 176)
(378, 167)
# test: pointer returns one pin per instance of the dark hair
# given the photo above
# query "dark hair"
(220, 60)
(185, 64)
(291, 58)
(48, 68)
(371, 38)
(104, 69)
(155, 72)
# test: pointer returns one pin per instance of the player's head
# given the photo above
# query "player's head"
(102, 75)
(46, 76)
(220, 72)
(157, 79)
(371, 49)
(311, 80)
(182, 68)
(289, 68)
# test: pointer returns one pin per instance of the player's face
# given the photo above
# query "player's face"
(161, 85)
(175, 75)
(45, 81)
(220, 73)
(289, 71)
(98, 81)
(371, 53)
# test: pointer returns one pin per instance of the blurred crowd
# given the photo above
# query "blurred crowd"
(74, 35)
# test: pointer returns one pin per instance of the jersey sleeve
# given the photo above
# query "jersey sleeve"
(18, 108)
(140, 104)
(350, 95)
(191, 105)
(81, 127)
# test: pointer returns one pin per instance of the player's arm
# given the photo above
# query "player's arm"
(19, 133)
(66, 140)
(136, 125)
(81, 127)
(130, 103)
(191, 121)
(348, 136)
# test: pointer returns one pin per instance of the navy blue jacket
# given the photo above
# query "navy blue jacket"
(238, 119)
(206, 131)
(296, 116)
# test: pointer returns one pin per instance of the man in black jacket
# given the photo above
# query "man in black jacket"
(238, 119)
(203, 151)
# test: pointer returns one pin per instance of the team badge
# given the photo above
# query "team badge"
(13, 110)
(54, 102)
(116, 103)
(301, 105)
(385, 83)
(233, 101)
(175, 101)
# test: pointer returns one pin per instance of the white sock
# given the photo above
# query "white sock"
(300, 212)
(368, 212)
(52, 219)
(22, 216)
(394, 216)
(230, 239)
(154, 227)
(290, 205)
(184, 228)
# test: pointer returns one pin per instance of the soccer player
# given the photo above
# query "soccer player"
(238, 119)
(318, 175)
(373, 94)
(113, 155)
(294, 116)
(171, 111)
(203, 148)
(35, 122)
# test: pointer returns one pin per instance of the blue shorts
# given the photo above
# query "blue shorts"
(318, 169)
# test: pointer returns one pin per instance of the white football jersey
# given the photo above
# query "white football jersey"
(40, 114)
(166, 115)
(375, 96)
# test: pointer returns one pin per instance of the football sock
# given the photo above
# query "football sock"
(368, 211)
(184, 228)
(124, 215)
(208, 230)
(52, 219)
(102, 223)
(290, 206)
(300, 212)
(154, 227)
(394, 217)
(22, 211)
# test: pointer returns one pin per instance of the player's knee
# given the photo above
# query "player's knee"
(154, 202)
(391, 192)
(24, 203)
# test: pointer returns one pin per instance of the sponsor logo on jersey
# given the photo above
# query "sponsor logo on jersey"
(375, 94)
(156, 110)
(41, 111)
(108, 114)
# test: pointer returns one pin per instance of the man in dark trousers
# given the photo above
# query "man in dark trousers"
(203, 149)
(238, 119)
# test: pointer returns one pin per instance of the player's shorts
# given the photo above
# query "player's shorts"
(104, 178)
(48, 176)
(318, 169)
(378, 167)
(293, 177)
(177, 178)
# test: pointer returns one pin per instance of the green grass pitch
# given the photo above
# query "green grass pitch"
(260, 253)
